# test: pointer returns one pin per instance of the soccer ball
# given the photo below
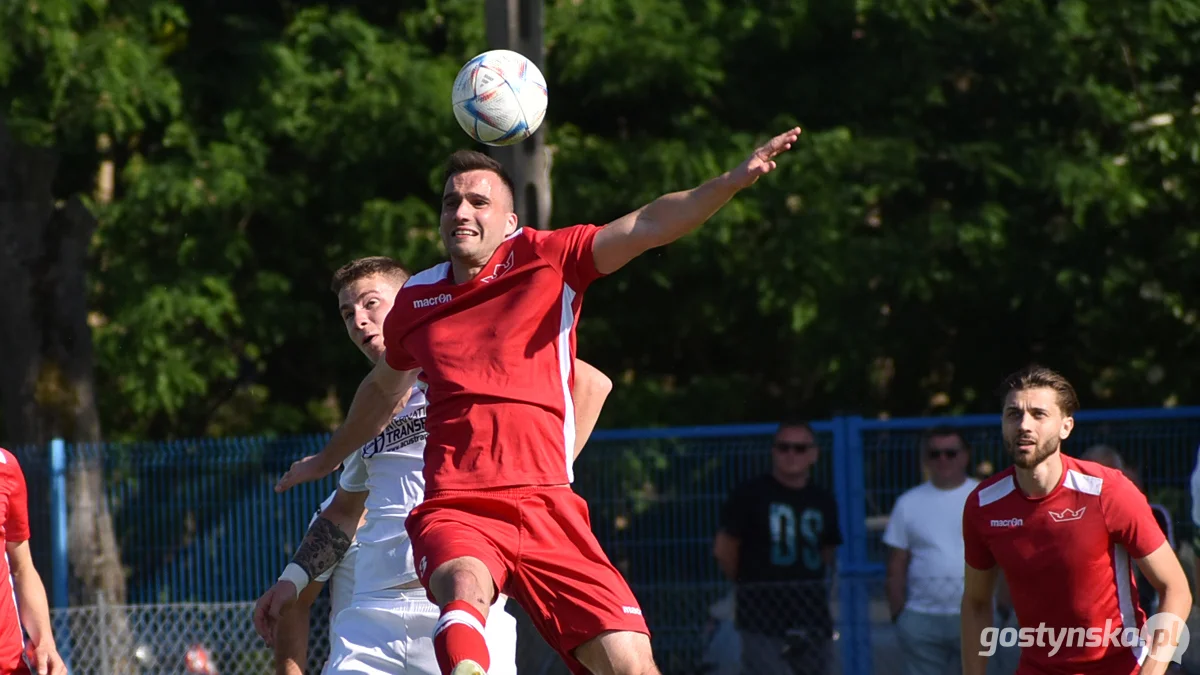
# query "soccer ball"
(499, 98)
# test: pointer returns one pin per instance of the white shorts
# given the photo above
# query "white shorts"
(388, 632)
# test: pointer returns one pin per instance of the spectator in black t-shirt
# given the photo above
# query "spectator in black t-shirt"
(776, 542)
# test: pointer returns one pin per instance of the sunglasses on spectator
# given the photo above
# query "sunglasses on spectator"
(938, 454)
(800, 448)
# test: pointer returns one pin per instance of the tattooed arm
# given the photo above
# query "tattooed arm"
(322, 548)
(324, 545)
(327, 539)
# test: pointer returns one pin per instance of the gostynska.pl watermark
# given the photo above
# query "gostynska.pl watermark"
(1175, 632)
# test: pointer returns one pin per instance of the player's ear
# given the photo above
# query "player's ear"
(510, 224)
(1067, 425)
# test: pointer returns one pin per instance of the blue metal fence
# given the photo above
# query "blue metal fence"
(198, 521)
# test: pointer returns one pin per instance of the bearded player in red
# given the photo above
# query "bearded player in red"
(492, 332)
(1066, 533)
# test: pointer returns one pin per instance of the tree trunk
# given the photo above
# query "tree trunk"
(46, 358)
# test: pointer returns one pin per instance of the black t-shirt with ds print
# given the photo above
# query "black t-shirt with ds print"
(781, 575)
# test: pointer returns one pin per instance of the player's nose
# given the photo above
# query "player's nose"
(464, 212)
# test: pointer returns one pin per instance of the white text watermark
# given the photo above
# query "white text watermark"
(1174, 636)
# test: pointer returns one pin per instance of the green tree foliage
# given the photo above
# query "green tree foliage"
(979, 184)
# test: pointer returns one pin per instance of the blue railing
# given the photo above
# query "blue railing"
(199, 522)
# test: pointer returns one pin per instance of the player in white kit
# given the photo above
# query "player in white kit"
(385, 624)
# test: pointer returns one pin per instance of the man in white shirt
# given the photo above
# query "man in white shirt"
(385, 625)
(925, 563)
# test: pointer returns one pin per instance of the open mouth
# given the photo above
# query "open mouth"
(463, 232)
(368, 339)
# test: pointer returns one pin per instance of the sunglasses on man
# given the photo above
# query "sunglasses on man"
(798, 448)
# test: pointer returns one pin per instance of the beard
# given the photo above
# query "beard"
(1040, 452)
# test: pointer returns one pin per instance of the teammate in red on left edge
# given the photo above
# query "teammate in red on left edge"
(24, 610)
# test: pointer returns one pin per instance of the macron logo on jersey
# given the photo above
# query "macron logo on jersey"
(1008, 522)
(1067, 515)
(430, 302)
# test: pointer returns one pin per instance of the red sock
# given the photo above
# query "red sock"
(458, 637)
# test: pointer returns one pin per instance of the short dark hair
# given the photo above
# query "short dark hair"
(796, 424)
(940, 431)
(1038, 377)
(463, 161)
(367, 267)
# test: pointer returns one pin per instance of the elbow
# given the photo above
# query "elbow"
(1180, 592)
(345, 507)
(601, 386)
(976, 604)
(22, 572)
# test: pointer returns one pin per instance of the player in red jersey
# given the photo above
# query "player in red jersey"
(492, 331)
(1065, 532)
(23, 603)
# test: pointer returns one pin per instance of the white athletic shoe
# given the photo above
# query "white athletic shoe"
(468, 667)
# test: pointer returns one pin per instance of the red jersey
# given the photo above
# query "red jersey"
(14, 527)
(1068, 559)
(498, 355)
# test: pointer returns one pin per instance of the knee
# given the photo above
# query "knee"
(618, 653)
(465, 579)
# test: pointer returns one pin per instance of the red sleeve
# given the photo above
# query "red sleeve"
(1129, 517)
(570, 250)
(394, 352)
(16, 526)
(975, 549)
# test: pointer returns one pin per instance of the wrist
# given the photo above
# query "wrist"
(42, 640)
(295, 574)
(729, 184)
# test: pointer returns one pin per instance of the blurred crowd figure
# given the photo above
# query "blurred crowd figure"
(925, 559)
(777, 541)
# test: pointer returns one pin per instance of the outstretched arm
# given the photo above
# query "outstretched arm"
(673, 215)
(589, 393)
(383, 392)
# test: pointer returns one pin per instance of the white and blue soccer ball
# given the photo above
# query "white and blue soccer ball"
(500, 97)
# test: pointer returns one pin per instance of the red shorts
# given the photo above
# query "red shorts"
(537, 542)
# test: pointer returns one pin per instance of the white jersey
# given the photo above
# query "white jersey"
(391, 469)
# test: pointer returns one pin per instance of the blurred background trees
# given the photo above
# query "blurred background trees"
(979, 184)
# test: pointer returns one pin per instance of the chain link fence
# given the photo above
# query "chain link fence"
(786, 628)
(215, 639)
(169, 639)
